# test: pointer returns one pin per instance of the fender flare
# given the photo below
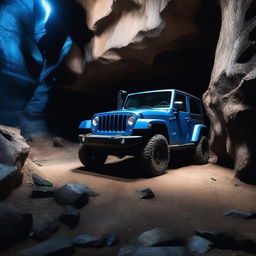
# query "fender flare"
(198, 131)
(146, 124)
(86, 124)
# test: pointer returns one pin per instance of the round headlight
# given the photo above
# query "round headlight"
(95, 120)
(130, 120)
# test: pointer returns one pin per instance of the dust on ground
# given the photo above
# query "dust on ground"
(187, 198)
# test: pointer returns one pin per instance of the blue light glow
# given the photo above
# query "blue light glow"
(47, 8)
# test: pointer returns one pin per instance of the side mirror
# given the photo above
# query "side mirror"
(121, 96)
(178, 105)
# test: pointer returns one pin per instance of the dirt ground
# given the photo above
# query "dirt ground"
(187, 198)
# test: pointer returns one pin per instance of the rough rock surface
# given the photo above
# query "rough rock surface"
(240, 214)
(87, 241)
(53, 246)
(156, 237)
(160, 237)
(8, 179)
(70, 216)
(109, 240)
(219, 239)
(13, 152)
(230, 98)
(43, 191)
(161, 251)
(13, 148)
(14, 225)
(199, 244)
(39, 181)
(42, 229)
(73, 194)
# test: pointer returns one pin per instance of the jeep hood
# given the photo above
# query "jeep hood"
(140, 112)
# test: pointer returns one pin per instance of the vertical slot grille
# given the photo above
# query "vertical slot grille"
(112, 123)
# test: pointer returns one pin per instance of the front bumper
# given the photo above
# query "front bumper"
(109, 141)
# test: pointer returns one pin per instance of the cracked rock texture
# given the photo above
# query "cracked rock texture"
(13, 152)
(229, 100)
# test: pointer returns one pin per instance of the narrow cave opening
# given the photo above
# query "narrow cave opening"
(183, 67)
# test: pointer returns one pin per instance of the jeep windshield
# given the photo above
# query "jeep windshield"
(149, 100)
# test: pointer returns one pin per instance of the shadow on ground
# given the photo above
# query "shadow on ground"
(128, 167)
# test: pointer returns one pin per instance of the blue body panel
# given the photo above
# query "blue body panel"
(182, 126)
(86, 124)
(197, 131)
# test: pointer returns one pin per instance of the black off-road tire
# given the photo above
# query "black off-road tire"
(91, 158)
(155, 156)
(202, 151)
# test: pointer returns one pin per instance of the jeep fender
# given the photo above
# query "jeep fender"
(86, 124)
(198, 130)
(147, 124)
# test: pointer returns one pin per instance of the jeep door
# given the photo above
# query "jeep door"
(179, 122)
(196, 114)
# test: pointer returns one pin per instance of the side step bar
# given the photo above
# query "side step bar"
(182, 146)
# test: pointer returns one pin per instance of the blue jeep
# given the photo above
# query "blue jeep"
(147, 125)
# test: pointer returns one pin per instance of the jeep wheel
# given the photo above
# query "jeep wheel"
(90, 158)
(155, 156)
(201, 151)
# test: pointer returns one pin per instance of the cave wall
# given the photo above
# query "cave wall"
(83, 51)
(229, 100)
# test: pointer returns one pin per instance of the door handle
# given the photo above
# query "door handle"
(188, 119)
(172, 118)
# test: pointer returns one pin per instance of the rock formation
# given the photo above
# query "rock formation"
(13, 153)
(229, 100)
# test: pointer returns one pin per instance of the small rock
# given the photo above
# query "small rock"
(58, 142)
(213, 179)
(14, 225)
(73, 194)
(70, 216)
(42, 192)
(53, 246)
(219, 239)
(145, 193)
(200, 245)
(160, 237)
(128, 249)
(40, 181)
(240, 214)
(109, 240)
(161, 251)
(87, 241)
(42, 229)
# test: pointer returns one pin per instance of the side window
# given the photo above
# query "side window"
(181, 97)
(195, 106)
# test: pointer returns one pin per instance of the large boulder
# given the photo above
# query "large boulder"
(13, 152)
(14, 225)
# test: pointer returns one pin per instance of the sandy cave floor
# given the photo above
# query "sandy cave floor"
(187, 198)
